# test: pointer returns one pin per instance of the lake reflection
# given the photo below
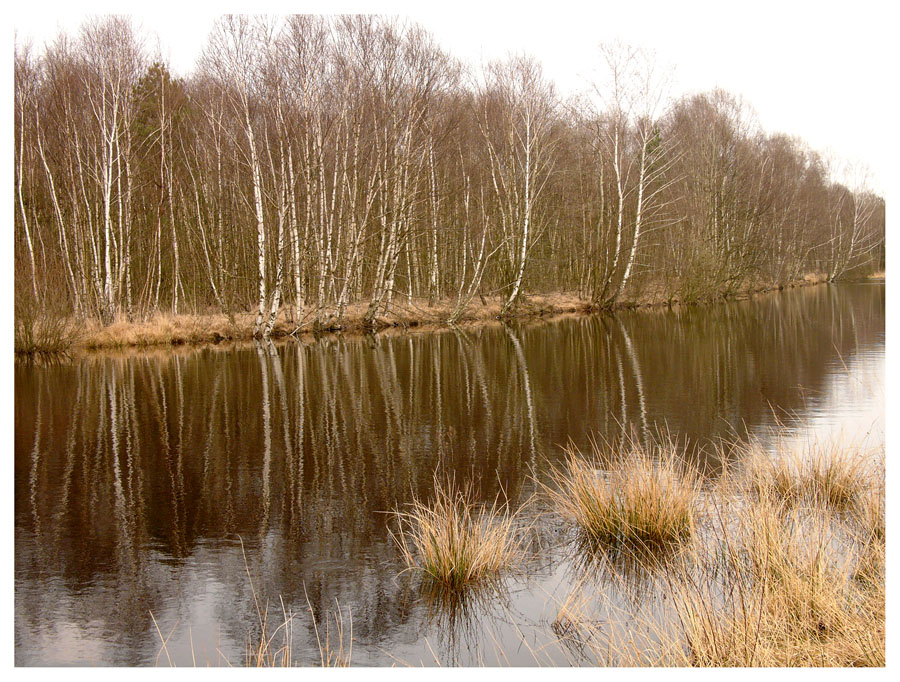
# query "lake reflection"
(138, 478)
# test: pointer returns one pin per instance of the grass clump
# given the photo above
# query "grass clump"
(786, 567)
(828, 477)
(455, 541)
(645, 499)
(771, 478)
(869, 516)
(837, 478)
(797, 576)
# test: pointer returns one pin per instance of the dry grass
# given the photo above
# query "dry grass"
(815, 278)
(793, 584)
(765, 581)
(789, 582)
(272, 645)
(768, 581)
(40, 329)
(43, 335)
(453, 540)
(643, 499)
(165, 329)
(573, 618)
(869, 515)
(830, 476)
(837, 480)
(336, 642)
(769, 477)
(273, 648)
(788, 598)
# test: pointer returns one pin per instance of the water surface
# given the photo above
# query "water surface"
(147, 485)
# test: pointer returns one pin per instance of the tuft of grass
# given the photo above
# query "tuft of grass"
(645, 499)
(788, 586)
(869, 516)
(824, 476)
(771, 478)
(787, 569)
(837, 478)
(453, 540)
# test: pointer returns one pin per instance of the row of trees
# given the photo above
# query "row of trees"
(310, 163)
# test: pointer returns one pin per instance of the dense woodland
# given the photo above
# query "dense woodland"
(311, 163)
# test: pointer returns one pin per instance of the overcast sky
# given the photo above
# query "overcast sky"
(817, 70)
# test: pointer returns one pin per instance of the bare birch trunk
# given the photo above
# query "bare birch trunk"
(260, 225)
(526, 223)
(637, 223)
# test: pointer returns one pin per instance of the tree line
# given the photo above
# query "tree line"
(310, 163)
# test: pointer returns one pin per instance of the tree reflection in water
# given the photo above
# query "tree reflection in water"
(135, 474)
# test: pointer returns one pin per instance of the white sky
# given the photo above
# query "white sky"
(817, 70)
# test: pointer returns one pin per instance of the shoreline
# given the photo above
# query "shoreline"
(166, 331)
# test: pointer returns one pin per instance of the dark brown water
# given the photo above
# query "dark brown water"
(138, 478)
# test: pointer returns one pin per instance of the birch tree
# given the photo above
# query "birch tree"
(113, 60)
(852, 234)
(233, 58)
(314, 165)
(25, 83)
(516, 111)
(631, 150)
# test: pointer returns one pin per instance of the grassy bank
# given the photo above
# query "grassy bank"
(39, 334)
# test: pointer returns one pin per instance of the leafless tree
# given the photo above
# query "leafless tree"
(516, 112)
(313, 163)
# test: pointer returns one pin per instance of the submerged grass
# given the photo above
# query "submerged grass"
(644, 500)
(272, 645)
(455, 541)
(837, 479)
(790, 584)
(869, 516)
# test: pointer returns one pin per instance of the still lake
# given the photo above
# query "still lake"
(149, 484)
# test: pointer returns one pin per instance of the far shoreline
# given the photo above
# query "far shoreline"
(165, 331)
